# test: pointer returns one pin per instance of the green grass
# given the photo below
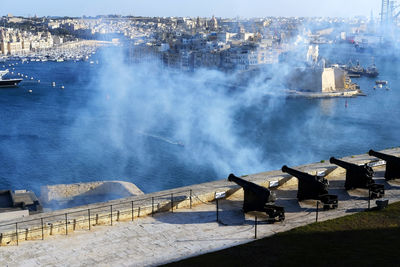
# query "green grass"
(363, 239)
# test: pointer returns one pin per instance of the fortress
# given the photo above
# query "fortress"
(312, 78)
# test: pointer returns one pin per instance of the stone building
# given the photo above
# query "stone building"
(317, 79)
(333, 79)
(213, 24)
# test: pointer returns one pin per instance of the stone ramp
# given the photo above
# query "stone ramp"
(78, 194)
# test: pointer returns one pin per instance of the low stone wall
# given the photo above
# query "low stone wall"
(62, 192)
(85, 217)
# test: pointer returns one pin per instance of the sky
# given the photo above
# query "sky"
(192, 8)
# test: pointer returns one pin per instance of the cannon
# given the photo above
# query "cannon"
(313, 187)
(392, 164)
(360, 176)
(257, 198)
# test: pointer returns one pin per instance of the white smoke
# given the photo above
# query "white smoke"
(196, 113)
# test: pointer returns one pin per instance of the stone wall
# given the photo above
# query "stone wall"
(62, 192)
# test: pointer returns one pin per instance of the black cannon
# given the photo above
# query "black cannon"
(392, 164)
(313, 187)
(360, 176)
(256, 198)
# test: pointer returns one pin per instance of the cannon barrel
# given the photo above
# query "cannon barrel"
(255, 188)
(383, 156)
(353, 169)
(240, 181)
(392, 164)
(296, 173)
(343, 164)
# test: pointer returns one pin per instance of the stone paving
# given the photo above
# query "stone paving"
(167, 237)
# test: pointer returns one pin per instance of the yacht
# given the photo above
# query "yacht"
(8, 82)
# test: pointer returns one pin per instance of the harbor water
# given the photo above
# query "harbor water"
(53, 134)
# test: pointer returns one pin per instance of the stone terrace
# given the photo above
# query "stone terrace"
(187, 232)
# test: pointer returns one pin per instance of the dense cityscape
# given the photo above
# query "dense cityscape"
(184, 43)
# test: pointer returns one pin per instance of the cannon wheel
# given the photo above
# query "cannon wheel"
(375, 195)
(275, 214)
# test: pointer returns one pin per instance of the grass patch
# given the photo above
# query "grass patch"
(362, 239)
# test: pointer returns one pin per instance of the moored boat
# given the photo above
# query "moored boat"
(372, 71)
(5, 83)
(382, 82)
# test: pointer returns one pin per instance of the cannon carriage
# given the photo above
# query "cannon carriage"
(313, 187)
(259, 198)
(360, 176)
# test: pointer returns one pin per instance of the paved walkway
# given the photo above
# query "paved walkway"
(170, 236)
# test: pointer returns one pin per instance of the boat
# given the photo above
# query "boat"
(6, 83)
(354, 71)
(357, 69)
(381, 82)
(372, 71)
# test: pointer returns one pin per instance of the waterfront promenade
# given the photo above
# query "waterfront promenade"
(167, 236)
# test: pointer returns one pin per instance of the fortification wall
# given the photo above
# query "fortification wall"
(65, 221)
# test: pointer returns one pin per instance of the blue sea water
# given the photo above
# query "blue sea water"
(40, 141)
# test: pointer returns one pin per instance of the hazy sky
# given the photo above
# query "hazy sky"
(219, 8)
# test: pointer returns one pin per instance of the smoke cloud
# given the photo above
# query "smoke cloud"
(194, 117)
(158, 123)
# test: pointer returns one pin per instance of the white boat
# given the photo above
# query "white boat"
(8, 82)
(381, 82)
